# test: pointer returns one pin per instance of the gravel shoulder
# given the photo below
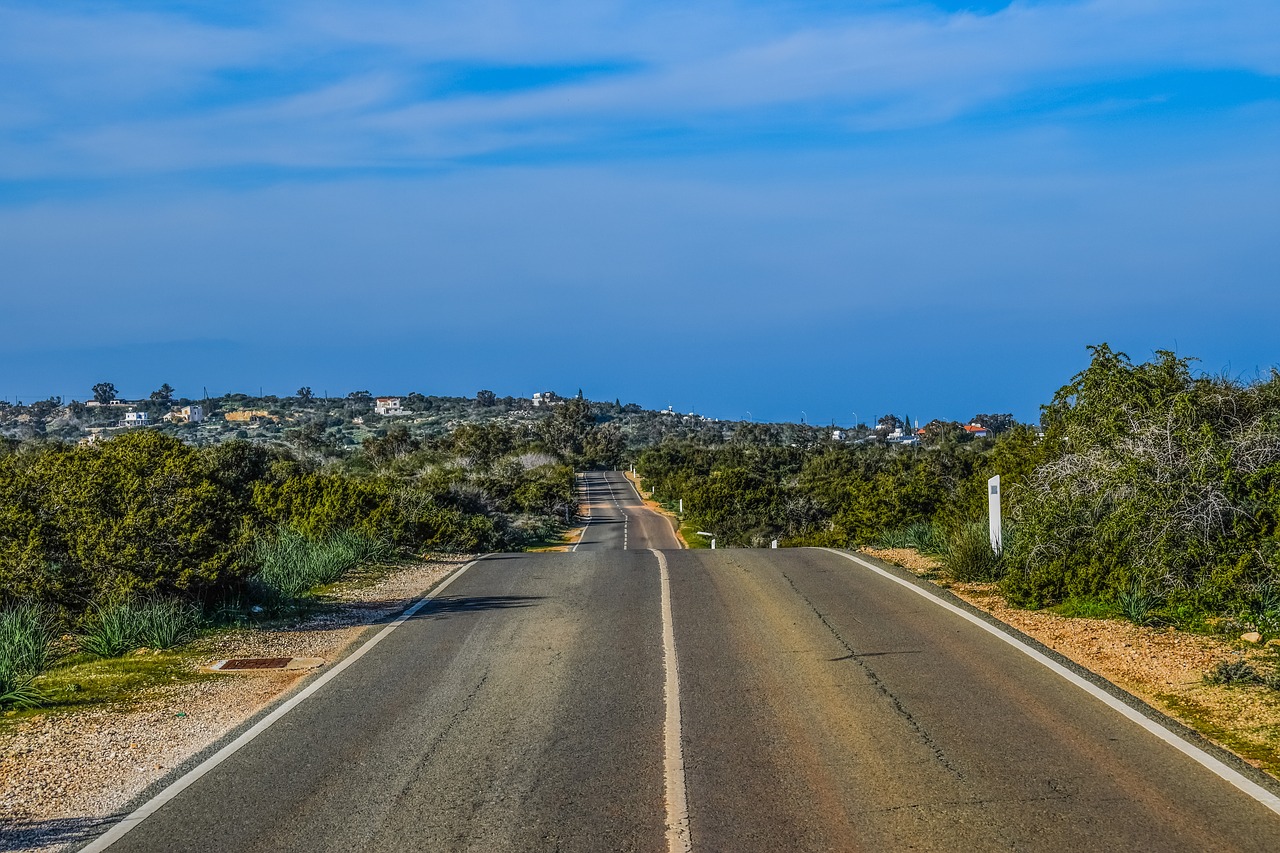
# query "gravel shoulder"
(1161, 666)
(63, 773)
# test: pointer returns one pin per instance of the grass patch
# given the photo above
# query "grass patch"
(1138, 604)
(969, 556)
(923, 536)
(292, 565)
(119, 627)
(25, 639)
(1257, 751)
(553, 540)
(689, 533)
(85, 681)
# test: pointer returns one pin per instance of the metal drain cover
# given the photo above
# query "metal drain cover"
(251, 663)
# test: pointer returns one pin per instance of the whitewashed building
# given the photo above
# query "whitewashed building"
(388, 407)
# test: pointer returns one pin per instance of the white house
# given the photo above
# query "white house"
(388, 407)
(132, 419)
(545, 398)
(186, 415)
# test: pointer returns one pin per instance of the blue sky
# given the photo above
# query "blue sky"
(731, 207)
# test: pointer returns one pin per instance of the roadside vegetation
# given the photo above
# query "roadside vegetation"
(1148, 492)
(142, 540)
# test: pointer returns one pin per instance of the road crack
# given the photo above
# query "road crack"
(878, 683)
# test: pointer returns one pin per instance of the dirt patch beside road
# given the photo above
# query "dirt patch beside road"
(63, 773)
(1163, 667)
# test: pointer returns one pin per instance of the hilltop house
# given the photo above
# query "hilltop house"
(388, 407)
(133, 418)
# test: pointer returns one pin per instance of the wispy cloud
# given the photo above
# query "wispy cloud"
(106, 90)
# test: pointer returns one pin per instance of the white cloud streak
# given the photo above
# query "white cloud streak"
(116, 93)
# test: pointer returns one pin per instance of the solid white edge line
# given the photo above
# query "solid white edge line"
(1197, 754)
(153, 805)
(678, 838)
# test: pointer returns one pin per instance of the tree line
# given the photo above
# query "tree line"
(1147, 483)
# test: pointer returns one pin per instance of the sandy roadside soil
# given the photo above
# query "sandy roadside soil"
(63, 773)
(1163, 667)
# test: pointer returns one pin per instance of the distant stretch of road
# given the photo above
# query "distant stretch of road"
(617, 518)
(817, 705)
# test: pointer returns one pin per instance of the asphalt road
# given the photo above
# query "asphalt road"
(822, 707)
(617, 518)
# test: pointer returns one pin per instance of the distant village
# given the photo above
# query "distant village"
(348, 420)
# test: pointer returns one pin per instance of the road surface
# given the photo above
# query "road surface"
(821, 706)
(617, 518)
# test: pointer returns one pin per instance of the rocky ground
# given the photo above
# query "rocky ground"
(63, 773)
(1164, 667)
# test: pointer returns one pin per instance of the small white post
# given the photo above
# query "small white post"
(993, 506)
(774, 544)
(713, 543)
(682, 506)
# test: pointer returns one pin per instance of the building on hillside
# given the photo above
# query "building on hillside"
(186, 415)
(977, 430)
(545, 398)
(134, 418)
(388, 407)
(95, 435)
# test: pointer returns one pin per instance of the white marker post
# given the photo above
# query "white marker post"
(775, 544)
(682, 506)
(993, 504)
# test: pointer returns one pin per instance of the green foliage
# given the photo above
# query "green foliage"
(292, 564)
(969, 556)
(1138, 604)
(141, 514)
(926, 537)
(1152, 478)
(573, 433)
(25, 637)
(119, 627)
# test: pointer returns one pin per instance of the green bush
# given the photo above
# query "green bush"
(25, 638)
(1138, 604)
(969, 556)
